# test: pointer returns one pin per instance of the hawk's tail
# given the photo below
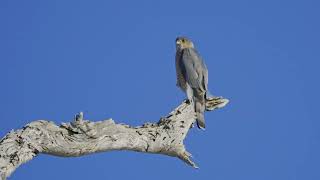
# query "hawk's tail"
(199, 107)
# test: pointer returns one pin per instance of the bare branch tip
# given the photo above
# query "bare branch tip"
(186, 157)
(216, 103)
(78, 117)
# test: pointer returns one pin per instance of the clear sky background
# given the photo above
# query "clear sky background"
(61, 57)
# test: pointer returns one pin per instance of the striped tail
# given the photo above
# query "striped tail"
(199, 107)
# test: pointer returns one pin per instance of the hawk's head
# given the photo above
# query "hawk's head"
(183, 42)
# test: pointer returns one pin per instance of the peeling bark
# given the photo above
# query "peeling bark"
(82, 137)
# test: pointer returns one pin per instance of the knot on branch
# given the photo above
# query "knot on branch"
(86, 127)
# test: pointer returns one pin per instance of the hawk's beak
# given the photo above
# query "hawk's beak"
(178, 42)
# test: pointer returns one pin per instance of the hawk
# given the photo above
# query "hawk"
(192, 77)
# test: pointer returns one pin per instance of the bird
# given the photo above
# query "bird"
(192, 77)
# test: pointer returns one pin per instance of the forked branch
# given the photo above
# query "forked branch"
(82, 137)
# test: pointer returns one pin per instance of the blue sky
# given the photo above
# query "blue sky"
(61, 57)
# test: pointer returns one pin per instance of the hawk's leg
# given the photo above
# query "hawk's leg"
(189, 92)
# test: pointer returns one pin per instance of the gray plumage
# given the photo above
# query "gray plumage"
(192, 77)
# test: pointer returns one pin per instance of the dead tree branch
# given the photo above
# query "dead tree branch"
(82, 137)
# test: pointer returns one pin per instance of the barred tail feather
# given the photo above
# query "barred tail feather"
(199, 107)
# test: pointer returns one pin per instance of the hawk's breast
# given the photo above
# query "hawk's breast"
(181, 81)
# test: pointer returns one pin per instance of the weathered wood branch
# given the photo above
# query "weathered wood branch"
(82, 137)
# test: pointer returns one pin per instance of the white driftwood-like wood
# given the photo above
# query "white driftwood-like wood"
(82, 137)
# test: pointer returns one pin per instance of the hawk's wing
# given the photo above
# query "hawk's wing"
(181, 82)
(194, 70)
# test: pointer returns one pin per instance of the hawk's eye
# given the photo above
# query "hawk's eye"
(183, 40)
